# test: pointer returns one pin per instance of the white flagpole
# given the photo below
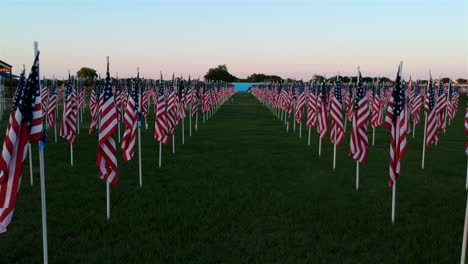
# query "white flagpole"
(160, 153)
(43, 194)
(373, 136)
(357, 175)
(173, 142)
(30, 164)
(320, 146)
(424, 140)
(308, 139)
(196, 122)
(393, 201)
(466, 185)
(465, 233)
(108, 200)
(71, 154)
(414, 128)
(55, 123)
(334, 148)
(345, 121)
(183, 131)
(190, 121)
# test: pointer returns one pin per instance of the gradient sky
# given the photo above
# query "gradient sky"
(289, 38)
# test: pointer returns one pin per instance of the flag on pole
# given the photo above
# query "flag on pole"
(322, 102)
(195, 99)
(52, 108)
(68, 128)
(161, 129)
(311, 106)
(106, 160)
(131, 122)
(440, 106)
(359, 142)
(15, 145)
(396, 122)
(336, 113)
(432, 117)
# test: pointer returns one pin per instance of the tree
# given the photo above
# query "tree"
(260, 77)
(87, 74)
(220, 73)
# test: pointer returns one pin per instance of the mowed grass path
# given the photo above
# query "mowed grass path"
(243, 190)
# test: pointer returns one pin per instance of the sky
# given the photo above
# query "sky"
(294, 39)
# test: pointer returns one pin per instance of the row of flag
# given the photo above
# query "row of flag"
(110, 103)
(328, 106)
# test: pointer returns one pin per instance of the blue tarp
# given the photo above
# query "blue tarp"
(243, 86)
(7, 75)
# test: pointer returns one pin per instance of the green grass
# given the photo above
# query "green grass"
(243, 190)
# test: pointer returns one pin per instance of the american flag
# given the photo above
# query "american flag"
(171, 108)
(44, 96)
(415, 103)
(195, 99)
(322, 102)
(118, 100)
(396, 122)
(182, 104)
(311, 106)
(359, 142)
(34, 85)
(52, 108)
(441, 103)
(450, 108)
(15, 146)
(300, 103)
(432, 117)
(131, 121)
(94, 108)
(376, 107)
(161, 129)
(68, 128)
(106, 160)
(336, 113)
(350, 100)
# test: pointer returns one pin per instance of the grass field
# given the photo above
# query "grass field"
(243, 190)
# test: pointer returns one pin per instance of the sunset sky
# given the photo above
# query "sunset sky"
(293, 39)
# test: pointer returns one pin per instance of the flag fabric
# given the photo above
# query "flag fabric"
(171, 109)
(396, 122)
(300, 103)
(350, 101)
(415, 103)
(131, 121)
(336, 113)
(34, 86)
(161, 129)
(432, 117)
(68, 128)
(106, 160)
(52, 108)
(94, 109)
(377, 116)
(359, 142)
(440, 106)
(195, 100)
(15, 145)
(322, 102)
(311, 106)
